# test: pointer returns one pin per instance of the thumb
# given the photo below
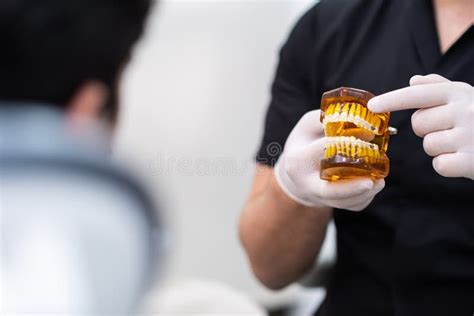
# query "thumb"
(428, 79)
(314, 153)
(308, 129)
(310, 125)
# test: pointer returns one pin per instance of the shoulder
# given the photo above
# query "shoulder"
(336, 8)
(331, 28)
(329, 14)
(336, 23)
(330, 17)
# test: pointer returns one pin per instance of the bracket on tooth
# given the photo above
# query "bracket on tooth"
(392, 131)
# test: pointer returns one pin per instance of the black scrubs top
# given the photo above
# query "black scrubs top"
(411, 252)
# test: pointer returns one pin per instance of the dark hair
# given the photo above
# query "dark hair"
(48, 48)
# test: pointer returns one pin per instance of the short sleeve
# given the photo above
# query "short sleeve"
(291, 95)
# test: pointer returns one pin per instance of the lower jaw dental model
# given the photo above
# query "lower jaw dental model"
(356, 138)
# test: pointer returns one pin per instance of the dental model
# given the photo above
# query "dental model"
(356, 138)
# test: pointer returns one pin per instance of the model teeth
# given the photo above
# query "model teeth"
(351, 147)
(353, 113)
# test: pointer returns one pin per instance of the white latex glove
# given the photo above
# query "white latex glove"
(298, 172)
(445, 120)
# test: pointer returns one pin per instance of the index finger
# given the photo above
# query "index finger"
(414, 97)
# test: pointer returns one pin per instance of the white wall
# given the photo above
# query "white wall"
(197, 92)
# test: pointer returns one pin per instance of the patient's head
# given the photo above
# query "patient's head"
(69, 53)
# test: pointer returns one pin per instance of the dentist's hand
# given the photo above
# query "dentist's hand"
(298, 172)
(445, 120)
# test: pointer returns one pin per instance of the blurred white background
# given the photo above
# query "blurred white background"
(194, 103)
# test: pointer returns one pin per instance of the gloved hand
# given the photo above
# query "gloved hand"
(445, 120)
(298, 172)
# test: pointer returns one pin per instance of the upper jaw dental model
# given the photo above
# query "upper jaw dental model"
(356, 138)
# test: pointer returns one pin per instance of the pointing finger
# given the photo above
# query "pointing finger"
(432, 78)
(414, 97)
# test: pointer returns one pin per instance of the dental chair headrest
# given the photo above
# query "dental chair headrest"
(80, 236)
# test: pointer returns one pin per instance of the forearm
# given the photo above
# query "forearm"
(282, 238)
